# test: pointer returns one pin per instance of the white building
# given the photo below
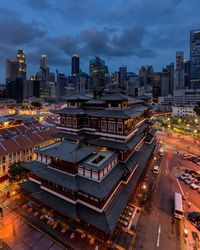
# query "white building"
(183, 111)
(186, 96)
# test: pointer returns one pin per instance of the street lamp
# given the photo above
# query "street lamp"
(144, 186)
(185, 232)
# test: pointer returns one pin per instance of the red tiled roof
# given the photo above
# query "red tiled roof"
(5, 132)
(2, 150)
(36, 138)
(22, 128)
(11, 146)
(24, 141)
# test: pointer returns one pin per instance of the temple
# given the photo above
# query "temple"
(91, 172)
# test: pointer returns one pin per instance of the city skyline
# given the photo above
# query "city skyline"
(131, 34)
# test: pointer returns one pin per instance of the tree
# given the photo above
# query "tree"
(197, 109)
(17, 172)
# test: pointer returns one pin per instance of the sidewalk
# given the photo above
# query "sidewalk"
(62, 238)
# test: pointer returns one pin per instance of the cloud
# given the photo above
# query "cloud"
(54, 57)
(38, 4)
(16, 32)
(119, 43)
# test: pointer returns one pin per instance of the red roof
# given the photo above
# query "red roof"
(36, 138)
(11, 146)
(2, 150)
(24, 141)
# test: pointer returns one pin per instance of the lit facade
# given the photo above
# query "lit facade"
(19, 141)
(90, 174)
(21, 58)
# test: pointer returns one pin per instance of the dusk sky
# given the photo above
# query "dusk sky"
(131, 33)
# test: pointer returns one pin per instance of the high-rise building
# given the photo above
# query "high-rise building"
(164, 83)
(98, 70)
(61, 83)
(146, 74)
(43, 61)
(170, 69)
(195, 58)
(179, 83)
(11, 69)
(122, 76)
(186, 69)
(116, 77)
(21, 58)
(155, 79)
(75, 65)
(15, 88)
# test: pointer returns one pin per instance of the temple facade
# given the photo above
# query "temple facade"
(91, 172)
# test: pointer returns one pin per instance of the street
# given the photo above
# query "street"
(157, 227)
(180, 143)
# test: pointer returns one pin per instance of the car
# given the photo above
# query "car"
(184, 176)
(191, 158)
(194, 217)
(1, 212)
(190, 171)
(195, 175)
(189, 180)
(195, 160)
(195, 185)
(198, 226)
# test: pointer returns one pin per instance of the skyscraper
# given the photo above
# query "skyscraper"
(170, 69)
(43, 61)
(179, 83)
(21, 58)
(75, 65)
(11, 69)
(186, 68)
(98, 71)
(122, 76)
(195, 58)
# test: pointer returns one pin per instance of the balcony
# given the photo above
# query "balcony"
(58, 190)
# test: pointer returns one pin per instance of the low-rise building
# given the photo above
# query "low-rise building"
(183, 111)
(18, 143)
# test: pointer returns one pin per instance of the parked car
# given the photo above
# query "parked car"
(188, 171)
(189, 180)
(198, 226)
(195, 185)
(191, 158)
(184, 176)
(195, 160)
(1, 212)
(194, 217)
